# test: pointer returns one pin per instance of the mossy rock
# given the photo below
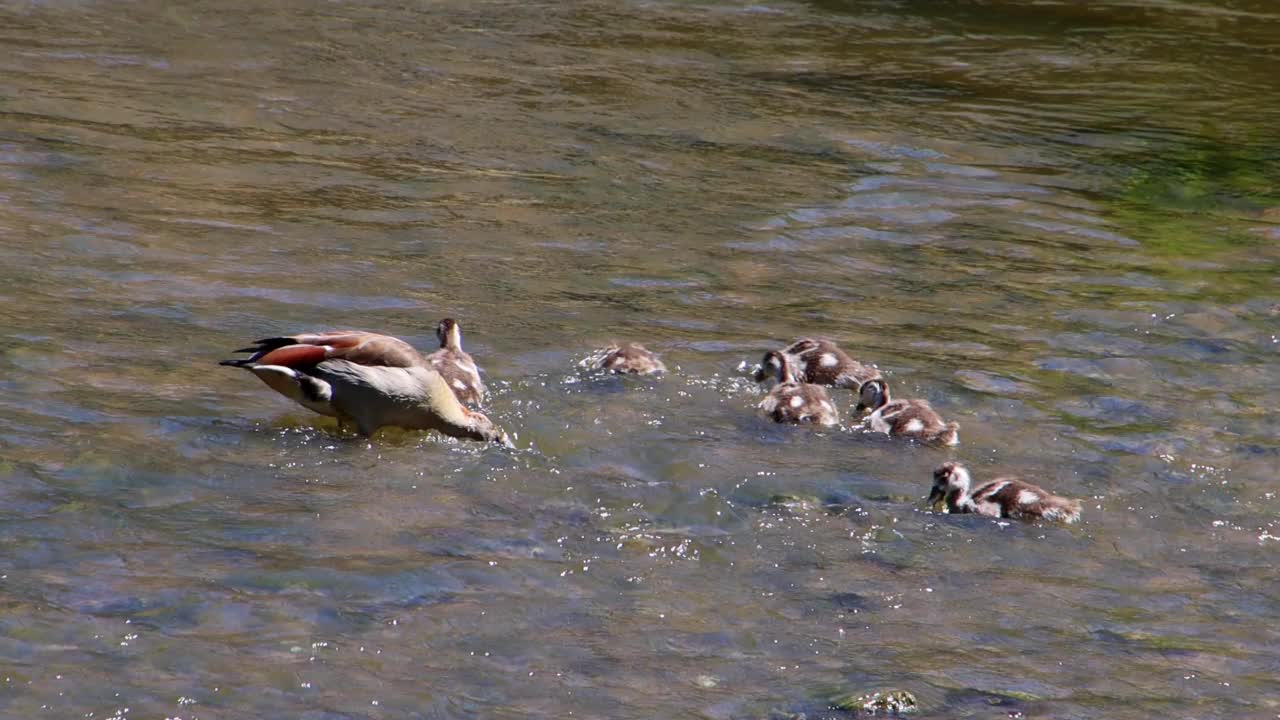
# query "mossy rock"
(793, 502)
(879, 702)
(1018, 695)
(895, 498)
(840, 502)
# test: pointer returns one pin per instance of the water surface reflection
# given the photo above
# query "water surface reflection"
(1055, 222)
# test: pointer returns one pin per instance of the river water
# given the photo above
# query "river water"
(1059, 222)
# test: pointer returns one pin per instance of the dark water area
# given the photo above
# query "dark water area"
(1058, 222)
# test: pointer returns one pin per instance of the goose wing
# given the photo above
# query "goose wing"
(308, 349)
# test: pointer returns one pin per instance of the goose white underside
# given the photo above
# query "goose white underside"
(411, 398)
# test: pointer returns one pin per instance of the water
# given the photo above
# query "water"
(1057, 222)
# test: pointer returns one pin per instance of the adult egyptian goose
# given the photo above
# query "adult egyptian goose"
(903, 418)
(820, 362)
(625, 359)
(457, 367)
(792, 401)
(1002, 497)
(365, 378)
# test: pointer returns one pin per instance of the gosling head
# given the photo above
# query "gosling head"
(951, 479)
(873, 395)
(769, 367)
(449, 334)
(775, 366)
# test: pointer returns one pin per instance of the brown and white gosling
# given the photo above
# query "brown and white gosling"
(626, 359)
(457, 367)
(914, 419)
(1002, 497)
(820, 362)
(792, 401)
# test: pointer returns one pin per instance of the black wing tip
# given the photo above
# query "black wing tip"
(270, 343)
(266, 345)
(239, 362)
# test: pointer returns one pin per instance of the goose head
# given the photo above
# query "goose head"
(482, 428)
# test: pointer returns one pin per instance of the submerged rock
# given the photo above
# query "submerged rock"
(843, 706)
(794, 502)
(850, 601)
(879, 702)
(802, 504)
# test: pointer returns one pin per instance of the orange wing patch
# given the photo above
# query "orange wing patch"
(362, 348)
(294, 356)
(380, 350)
(334, 338)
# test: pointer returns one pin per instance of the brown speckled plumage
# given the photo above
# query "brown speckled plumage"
(820, 362)
(627, 358)
(903, 418)
(1002, 497)
(458, 368)
(791, 401)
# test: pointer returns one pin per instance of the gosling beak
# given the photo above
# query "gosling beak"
(935, 497)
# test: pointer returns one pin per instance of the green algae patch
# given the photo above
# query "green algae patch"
(1199, 198)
